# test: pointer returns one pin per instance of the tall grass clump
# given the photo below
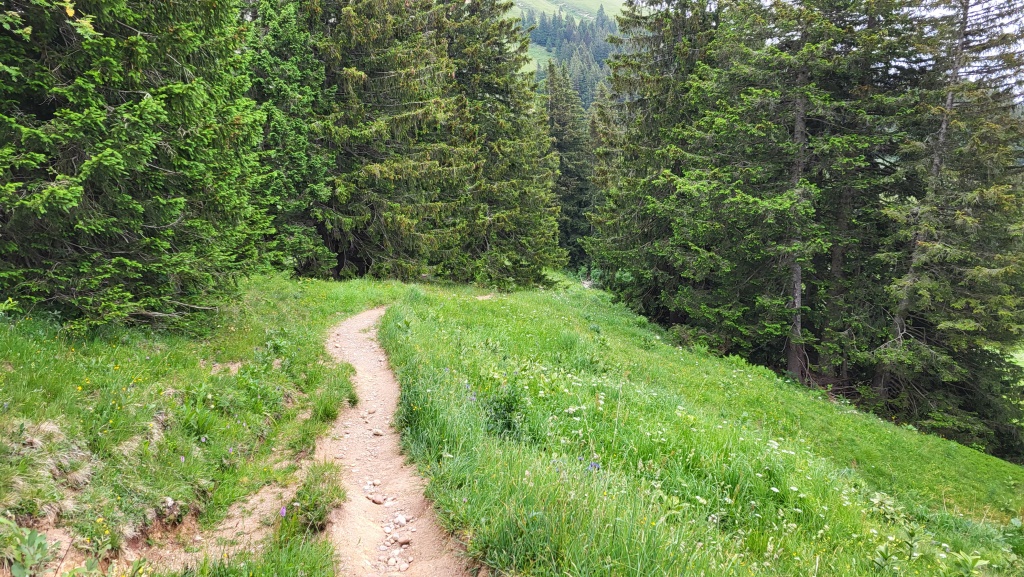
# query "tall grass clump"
(562, 436)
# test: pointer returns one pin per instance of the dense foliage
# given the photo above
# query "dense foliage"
(581, 45)
(513, 210)
(568, 130)
(127, 156)
(149, 155)
(830, 189)
(833, 189)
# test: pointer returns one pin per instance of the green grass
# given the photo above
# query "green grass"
(537, 54)
(585, 8)
(561, 435)
(98, 433)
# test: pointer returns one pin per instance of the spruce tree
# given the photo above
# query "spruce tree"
(568, 130)
(512, 233)
(127, 157)
(401, 162)
(288, 82)
(955, 293)
(833, 190)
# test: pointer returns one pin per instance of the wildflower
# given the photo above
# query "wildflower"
(794, 489)
(183, 458)
(774, 490)
(284, 511)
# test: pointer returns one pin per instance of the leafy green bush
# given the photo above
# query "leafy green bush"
(24, 551)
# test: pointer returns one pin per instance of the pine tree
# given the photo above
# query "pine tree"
(401, 165)
(127, 157)
(512, 231)
(567, 127)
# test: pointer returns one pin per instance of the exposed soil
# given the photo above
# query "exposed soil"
(366, 535)
(386, 525)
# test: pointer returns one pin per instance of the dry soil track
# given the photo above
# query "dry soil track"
(386, 525)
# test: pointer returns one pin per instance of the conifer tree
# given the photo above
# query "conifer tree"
(401, 161)
(568, 129)
(956, 297)
(606, 134)
(831, 189)
(126, 156)
(512, 233)
(288, 82)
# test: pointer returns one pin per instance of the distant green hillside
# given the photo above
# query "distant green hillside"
(587, 8)
(537, 54)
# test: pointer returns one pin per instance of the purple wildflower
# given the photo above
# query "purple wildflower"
(284, 511)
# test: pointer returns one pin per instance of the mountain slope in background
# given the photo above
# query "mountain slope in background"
(578, 8)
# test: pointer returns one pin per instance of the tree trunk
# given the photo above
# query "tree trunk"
(796, 353)
(882, 379)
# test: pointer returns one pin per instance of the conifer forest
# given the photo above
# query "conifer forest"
(832, 189)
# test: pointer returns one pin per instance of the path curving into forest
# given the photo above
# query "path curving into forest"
(386, 525)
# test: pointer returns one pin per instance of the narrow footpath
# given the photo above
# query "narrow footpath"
(386, 526)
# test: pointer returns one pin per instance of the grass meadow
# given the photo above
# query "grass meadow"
(560, 435)
(109, 434)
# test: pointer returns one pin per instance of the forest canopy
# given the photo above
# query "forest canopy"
(832, 189)
(151, 153)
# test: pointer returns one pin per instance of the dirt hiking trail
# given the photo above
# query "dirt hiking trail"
(386, 525)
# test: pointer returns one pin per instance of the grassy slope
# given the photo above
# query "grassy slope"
(586, 8)
(561, 436)
(537, 54)
(98, 432)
